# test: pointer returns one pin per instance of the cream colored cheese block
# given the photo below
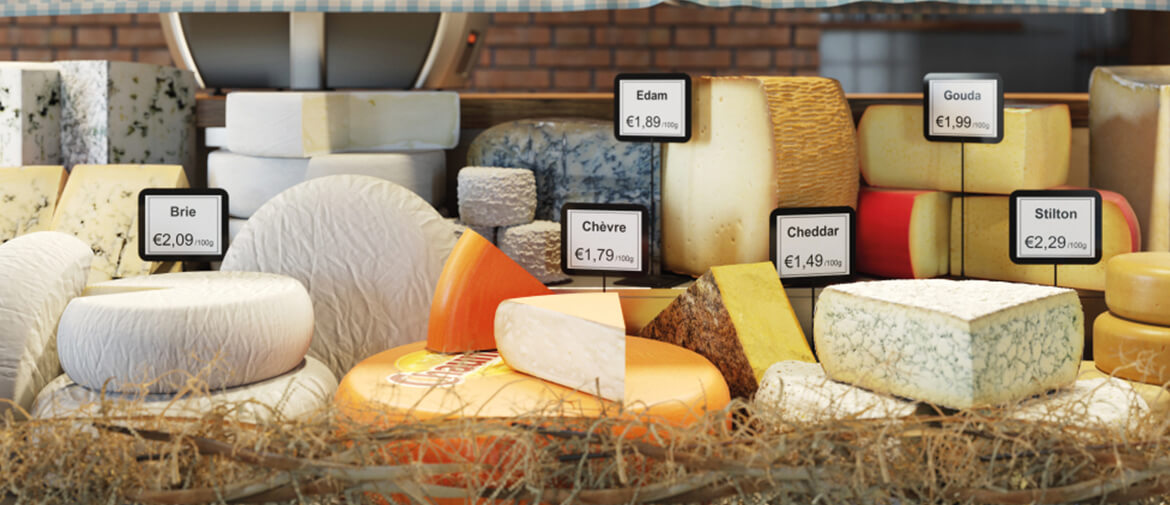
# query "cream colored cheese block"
(28, 196)
(536, 246)
(494, 196)
(424, 172)
(575, 340)
(304, 390)
(796, 391)
(757, 143)
(1034, 153)
(1129, 150)
(1137, 287)
(223, 328)
(250, 181)
(39, 274)
(100, 207)
(288, 124)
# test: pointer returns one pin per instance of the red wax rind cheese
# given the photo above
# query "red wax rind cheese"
(903, 233)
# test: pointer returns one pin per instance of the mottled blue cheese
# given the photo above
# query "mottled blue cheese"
(30, 114)
(121, 112)
(957, 344)
(28, 196)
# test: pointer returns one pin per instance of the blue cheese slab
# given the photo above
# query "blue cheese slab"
(30, 114)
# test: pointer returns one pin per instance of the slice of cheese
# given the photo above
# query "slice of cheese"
(1132, 350)
(30, 119)
(1129, 133)
(28, 196)
(477, 277)
(288, 124)
(251, 181)
(1034, 152)
(158, 331)
(424, 172)
(757, 143)
(737, 316)
(903, 233)
(957, 344)
(100, 207)
(575, 340)
(39, 274)
(1137, 287)
(536, 246)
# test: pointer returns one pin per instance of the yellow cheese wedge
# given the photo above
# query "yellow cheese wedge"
(1137, 287)
(28, 196)
(1034, 153)
(1132, 350)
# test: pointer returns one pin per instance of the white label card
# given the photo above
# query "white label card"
(813, 242)
(600, 238)
(652, 107)
(184, 224)
(1056, 226)
(964, 107)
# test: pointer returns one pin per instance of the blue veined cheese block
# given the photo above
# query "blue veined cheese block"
(30, 114)
(126, 113)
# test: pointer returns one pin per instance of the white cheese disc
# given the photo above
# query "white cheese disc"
(424, 172)
(493, 196)
(252, 180)
(536, 246)
(227, 328)
(369, 251)
(39, 273)
(797, 391)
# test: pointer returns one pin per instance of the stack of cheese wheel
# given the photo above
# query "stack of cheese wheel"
(1132, 339)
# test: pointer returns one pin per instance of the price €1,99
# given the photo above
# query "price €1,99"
(1054, 243)
(960, 122)
(180, 240)
(634, 121)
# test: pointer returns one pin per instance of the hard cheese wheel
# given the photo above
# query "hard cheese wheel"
(424, 172)
(369, 251)
(39, 274)
(302, 390)
(1131, 350)
(662, 381)
(229, 328)
(1137, 287)
(252, 180)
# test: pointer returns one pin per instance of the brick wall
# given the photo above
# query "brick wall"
(123, 37)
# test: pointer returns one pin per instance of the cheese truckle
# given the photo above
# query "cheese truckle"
(903, 233)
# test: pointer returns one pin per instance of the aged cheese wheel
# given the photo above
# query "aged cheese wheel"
(1132, 350)
(1137, 287)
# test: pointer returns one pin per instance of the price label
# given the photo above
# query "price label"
(597, 239)
(813, 244)
(652, 107)
(963, 107)
(1055, 227)
(182, 224)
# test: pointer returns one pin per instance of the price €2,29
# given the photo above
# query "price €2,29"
(1055, 225)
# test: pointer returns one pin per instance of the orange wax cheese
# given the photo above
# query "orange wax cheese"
(903, 233)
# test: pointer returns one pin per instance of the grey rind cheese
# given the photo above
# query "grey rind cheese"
(536, 246)
(956, 344)
(30, 114)
(495, 196)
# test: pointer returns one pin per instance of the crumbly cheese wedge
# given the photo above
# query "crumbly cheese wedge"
(28, 196)
(1034, 152)
(575, 340)
(903, 233)
(100, 207)
(1137, 287)
(737, 316)
(1129, 132)
(1132, 350)
(757, 143)
(30, 119)
(958, 344)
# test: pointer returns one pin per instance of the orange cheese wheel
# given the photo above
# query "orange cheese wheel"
(1131, 350)
(1137, 287)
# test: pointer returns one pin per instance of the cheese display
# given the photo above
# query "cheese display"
(737, 316)
(30, 119)
(424, 172)
(369, 251)
(158, 331)
(663, 382)
(100, 207)
(477, 277)
(492, 196)
(957, 344)
(575, 340)
(251, 180)
(903, 233)
(758, 143)
(28, 196)
(536, 246)
(39, 274)
(1132, 350)
(306, 389)
(1034, 152)
(797, 391)
(287, 124)
(120, 112)
(487, 232)
(1129, 135)
(1137, 287)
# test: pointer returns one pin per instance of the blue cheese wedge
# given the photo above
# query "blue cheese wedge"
(957, 344)
(28, 196)
(30, 114)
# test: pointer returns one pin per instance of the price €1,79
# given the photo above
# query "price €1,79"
(1054, 243)
(180, 240)
(602, 254)
(635, 121)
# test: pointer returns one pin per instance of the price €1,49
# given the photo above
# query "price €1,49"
(634, 121)
(797, 262)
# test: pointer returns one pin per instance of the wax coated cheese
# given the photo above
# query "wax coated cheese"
(737, 316)
(1132, 350)
(758, 143)
(1034, 152)
(100, 207)
(121, 112)
(957, 344)
(903, 233)
(423, 172)
(1129, 150)
(575, 340)
(369, 251)
(1137, 287)
(39, 274)
(493, 196)
(251, 181)
(30, 114)
(798, 391)
(28, 196)
(536, 246)
(288, 124)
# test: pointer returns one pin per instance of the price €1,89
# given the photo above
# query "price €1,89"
(180, 240)
(1054, 243)
(960, 122)
(634, 121)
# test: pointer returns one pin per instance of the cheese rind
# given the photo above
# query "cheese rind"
(575, 340)
(1137, 287)
(30, 120)
(493, 196)
(903, 233)
(423, 172)
(1132, 350)
(28, 196)
(536, 246)
(252, 180)
(958, 344)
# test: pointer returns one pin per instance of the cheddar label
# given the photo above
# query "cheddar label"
(424, 369)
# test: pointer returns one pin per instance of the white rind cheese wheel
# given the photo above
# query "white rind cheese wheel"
(1137, 287)
(252, 180)
(424, 172)
(492, 196)
(797, 391)
(369, 251)
(307, 388)
(39, 273)
(226, 328)
(488, 232)
(536, 246)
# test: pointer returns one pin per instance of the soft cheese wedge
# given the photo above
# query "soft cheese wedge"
(957, 344)
(575, 340)
(28, 196)
(737, 316)
(903, 233)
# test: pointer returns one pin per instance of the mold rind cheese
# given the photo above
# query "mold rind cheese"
(536, 246)
(1137, 287)
(495, 196)
(30, 121)
(957, 344)
(1132, 350)
(28, 197)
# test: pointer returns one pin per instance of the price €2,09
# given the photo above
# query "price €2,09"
(180, 240)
